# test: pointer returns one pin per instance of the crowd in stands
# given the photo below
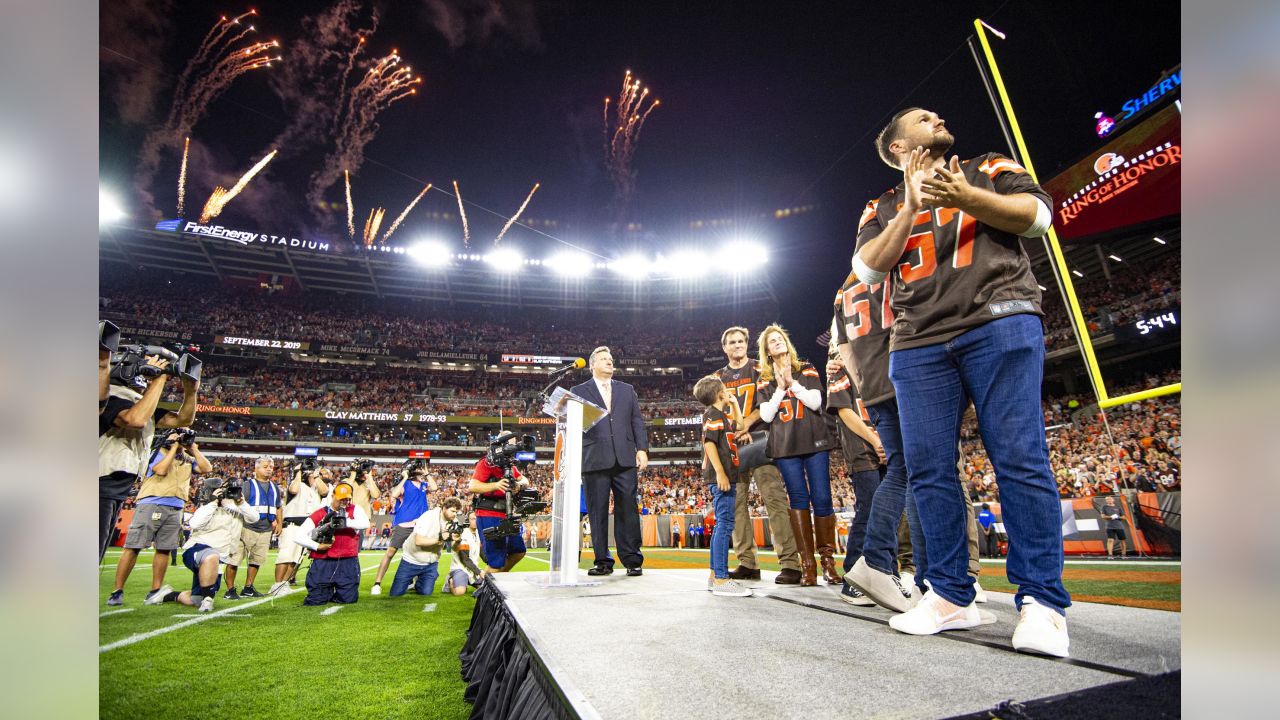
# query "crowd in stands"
(1130, 294)
(201, 305)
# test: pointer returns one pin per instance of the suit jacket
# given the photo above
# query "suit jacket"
(616, 438)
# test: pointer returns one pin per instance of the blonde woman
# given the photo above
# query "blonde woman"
(799, 445)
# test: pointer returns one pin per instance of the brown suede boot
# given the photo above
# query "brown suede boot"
(824, 534)
(802, 528)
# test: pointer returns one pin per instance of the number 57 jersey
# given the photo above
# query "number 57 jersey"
(956, 273)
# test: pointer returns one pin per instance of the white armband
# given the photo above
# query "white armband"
(1041, 225)
(865, 273)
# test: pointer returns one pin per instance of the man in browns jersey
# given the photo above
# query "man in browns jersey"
(862, 319)
(967, 327)
(739, 377)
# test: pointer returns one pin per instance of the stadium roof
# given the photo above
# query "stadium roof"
(688, 280)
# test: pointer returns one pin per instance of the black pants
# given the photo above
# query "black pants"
(108, 513)
(333, 581)
(626, 519)
(990, 544)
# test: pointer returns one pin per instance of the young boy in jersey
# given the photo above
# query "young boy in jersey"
(720, 470)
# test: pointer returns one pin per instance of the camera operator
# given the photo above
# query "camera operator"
(255, 541)
(410, 496)
(157, 519)
(302, 497)
(215, 528)
(334, 575)
(420, 562)
(108, 341)
(491, 483)
(360, 477)
(465, 570)
(126, 427)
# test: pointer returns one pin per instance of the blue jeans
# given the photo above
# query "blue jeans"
(421, 577)
(722, 535)
(880, 547)
(1000, 367)
(864, 484)
(808, 479)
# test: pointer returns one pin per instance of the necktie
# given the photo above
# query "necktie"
(608, 396)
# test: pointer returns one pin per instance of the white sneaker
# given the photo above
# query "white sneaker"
(157, 597)
(980, 594)
(885, 589)
(730, 588)
(206, 605)
(928, 618)
(376, 589)
(908, 580)
(280, 588)
(1041, 630)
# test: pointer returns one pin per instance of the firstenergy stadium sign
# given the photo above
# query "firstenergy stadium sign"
(242, 237)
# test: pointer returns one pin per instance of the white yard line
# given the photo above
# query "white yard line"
(191, 615)
(429, 607)
(115, 612)
(139, 637)
(331, 610)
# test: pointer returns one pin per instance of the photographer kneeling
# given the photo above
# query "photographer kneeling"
(332, 535)
(493, 481)
(434, 532)
(215, 528)
(465, 570)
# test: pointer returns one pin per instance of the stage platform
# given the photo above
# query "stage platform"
(660, 645)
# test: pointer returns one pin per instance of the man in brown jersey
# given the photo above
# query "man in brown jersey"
(966, 326)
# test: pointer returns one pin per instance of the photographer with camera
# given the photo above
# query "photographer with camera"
(255, 541)
(360, 476)
(332, 535)
(108, 341)
(433, 533)
(495, 481)
(157, 519)
(465, 570)
(302, 497)
(215, 529)
(410, 498)
(128, 422)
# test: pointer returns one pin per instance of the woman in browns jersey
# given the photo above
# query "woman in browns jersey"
(799, 445)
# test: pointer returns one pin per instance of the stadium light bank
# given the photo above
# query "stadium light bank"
(734, 258)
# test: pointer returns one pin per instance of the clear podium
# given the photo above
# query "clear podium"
(574, 416)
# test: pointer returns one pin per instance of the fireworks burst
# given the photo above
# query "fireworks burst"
(515, 217)
(622, 136)
(221, 196)
(466, 229)
(182, 178)
(215, 65)
(351, 209)
(385, 83)
(405, 214)
(371, 225)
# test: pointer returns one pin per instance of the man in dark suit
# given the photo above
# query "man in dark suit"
(612, 453)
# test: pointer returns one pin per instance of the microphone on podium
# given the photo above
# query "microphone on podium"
(577, 363)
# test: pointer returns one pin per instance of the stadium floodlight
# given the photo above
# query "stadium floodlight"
(504, 260)
(634, 266)
(741, 256)
(571, 264)
(109, 210)
(688, 264)
(429, 253)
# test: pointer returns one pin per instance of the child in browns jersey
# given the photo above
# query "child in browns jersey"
(720, 470)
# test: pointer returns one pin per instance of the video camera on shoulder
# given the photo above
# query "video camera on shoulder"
(130, 368)
(332, 522)
(362, 466)
(504, 454)
(415, 465)
(232, 489)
